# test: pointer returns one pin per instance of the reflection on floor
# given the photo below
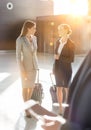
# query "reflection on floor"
(11, 102)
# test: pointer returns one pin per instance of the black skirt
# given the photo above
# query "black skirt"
(63, 73)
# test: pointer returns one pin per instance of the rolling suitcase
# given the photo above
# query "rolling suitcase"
(53, 93)
(38, 91)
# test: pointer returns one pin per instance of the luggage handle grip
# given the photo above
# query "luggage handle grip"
(52, 80)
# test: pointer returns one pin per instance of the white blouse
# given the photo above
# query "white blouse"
(61, 45)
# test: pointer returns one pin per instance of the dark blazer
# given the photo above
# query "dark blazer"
(79, 113)
(62, 67)
(67, 54)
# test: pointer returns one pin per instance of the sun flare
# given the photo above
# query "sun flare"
(74, 7)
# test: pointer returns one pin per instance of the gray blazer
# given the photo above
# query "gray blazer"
(26, 53)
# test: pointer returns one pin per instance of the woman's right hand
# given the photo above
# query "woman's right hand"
(50, 124)
(24, 75)
(56, 56)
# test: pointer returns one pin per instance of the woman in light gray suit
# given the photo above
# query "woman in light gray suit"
(26, 48)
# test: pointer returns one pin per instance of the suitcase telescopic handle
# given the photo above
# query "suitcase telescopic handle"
(37, 75)
(54, 87)
(52, 79)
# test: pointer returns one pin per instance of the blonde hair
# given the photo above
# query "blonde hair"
(27, 24)
(66, 27)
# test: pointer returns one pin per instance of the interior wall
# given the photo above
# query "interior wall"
(47, 32)
(11, 20)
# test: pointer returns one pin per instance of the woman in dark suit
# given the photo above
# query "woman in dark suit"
(64, 56)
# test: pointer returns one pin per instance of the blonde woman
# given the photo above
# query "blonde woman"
(64, 56)
(26, 48)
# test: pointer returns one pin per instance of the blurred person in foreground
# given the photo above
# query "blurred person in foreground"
(78, 115)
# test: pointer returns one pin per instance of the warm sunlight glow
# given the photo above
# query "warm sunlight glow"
(74, 7)
(79, 7)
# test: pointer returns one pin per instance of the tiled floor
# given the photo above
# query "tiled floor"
(11, 102)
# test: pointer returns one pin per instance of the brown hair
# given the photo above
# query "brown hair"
(27, 24)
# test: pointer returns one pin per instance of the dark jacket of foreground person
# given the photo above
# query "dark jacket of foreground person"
(79, 114)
